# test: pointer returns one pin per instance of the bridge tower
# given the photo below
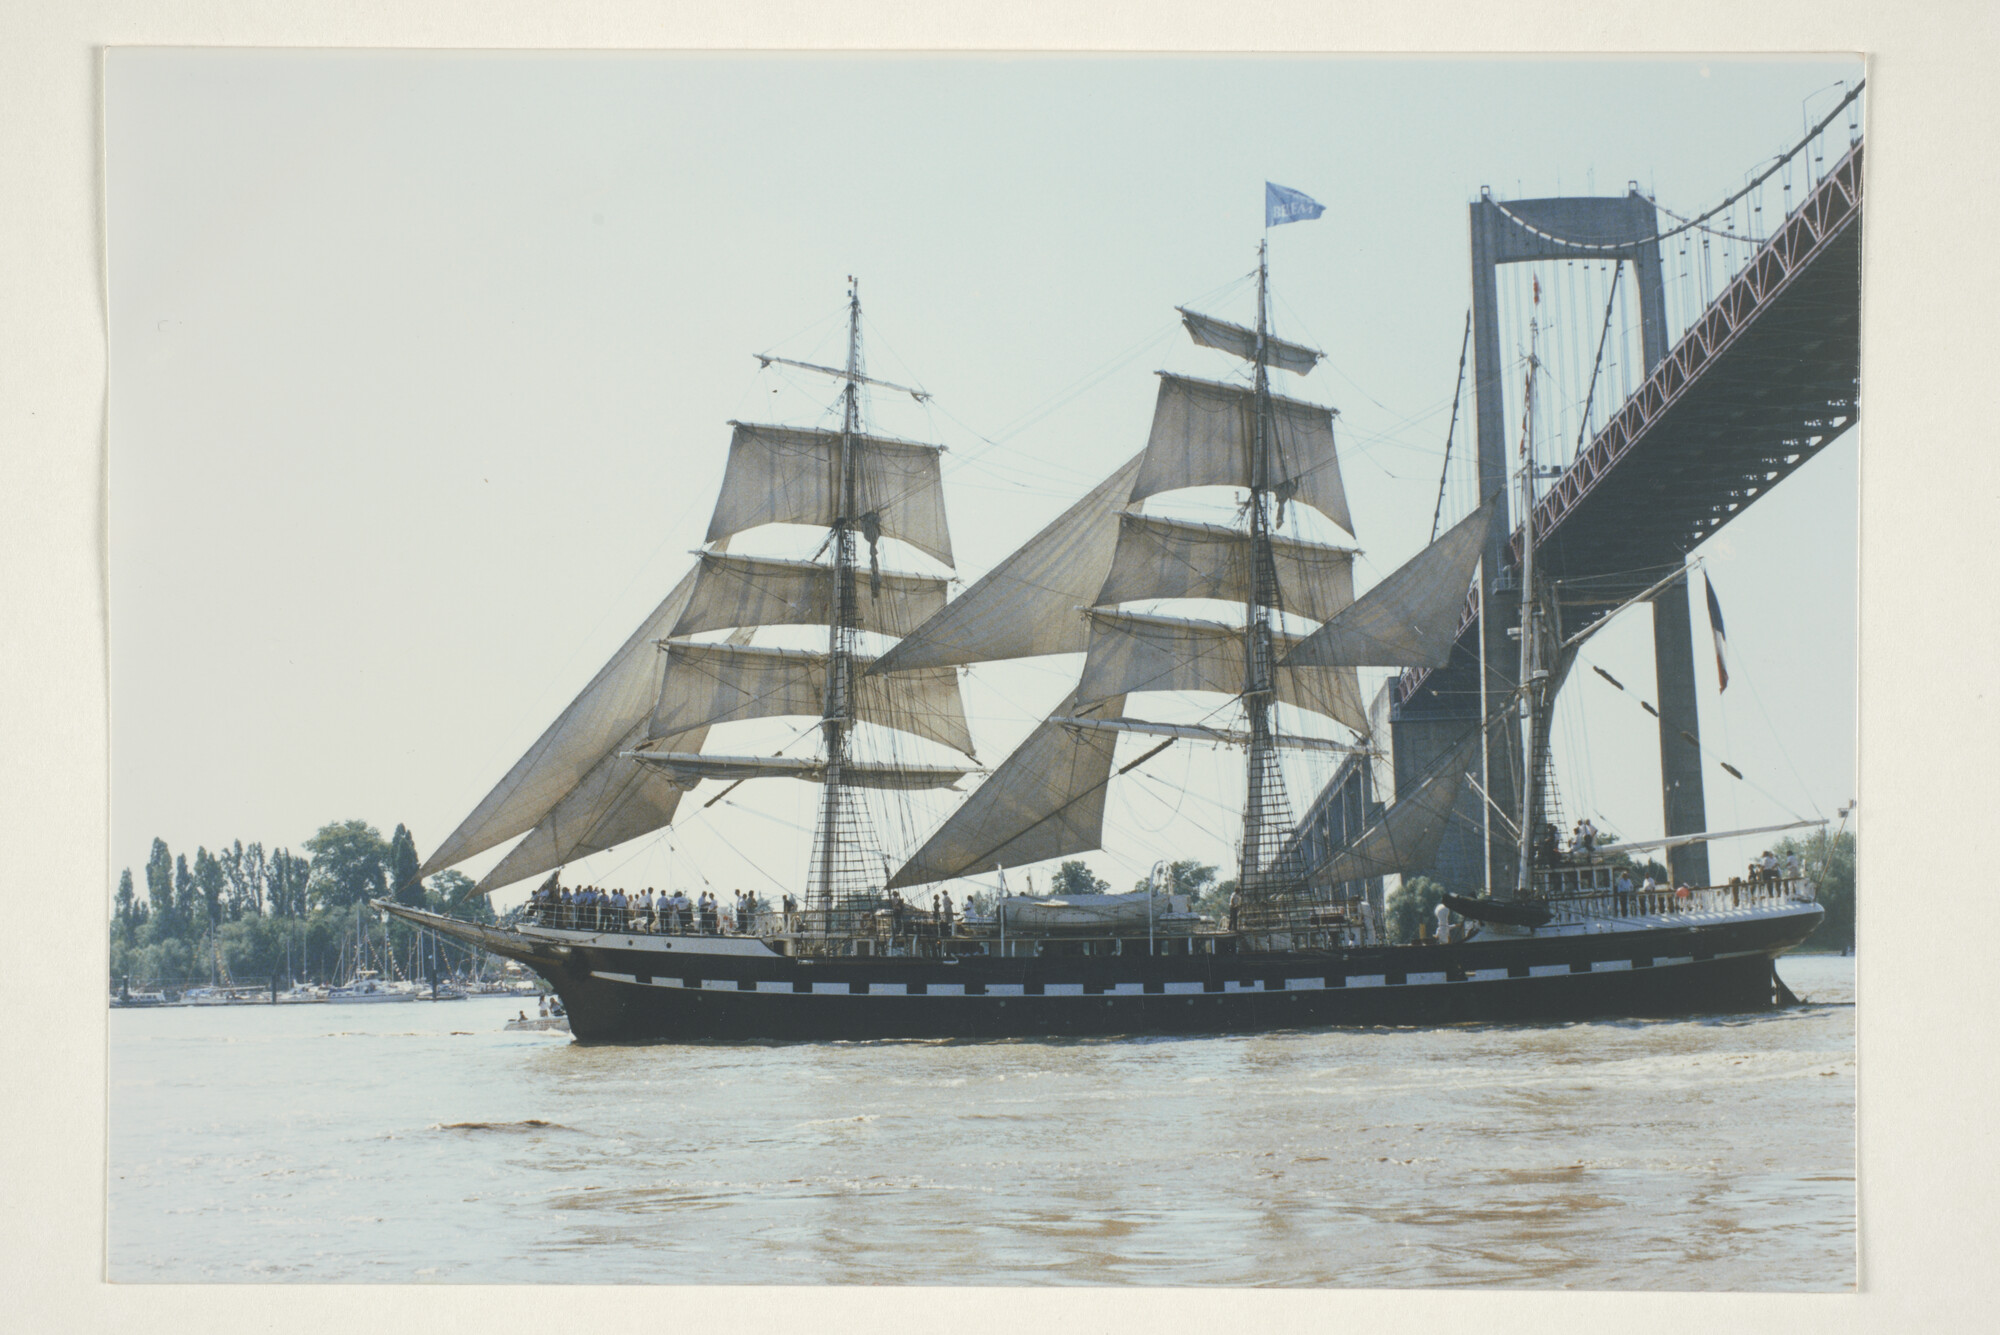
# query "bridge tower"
(1588, 227)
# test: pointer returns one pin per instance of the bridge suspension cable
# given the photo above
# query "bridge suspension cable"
(1631, 247)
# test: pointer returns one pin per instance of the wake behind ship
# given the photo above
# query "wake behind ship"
(1303, 943)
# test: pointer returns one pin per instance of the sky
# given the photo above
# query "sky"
(422, 366)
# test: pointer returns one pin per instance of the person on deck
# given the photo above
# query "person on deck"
(1624, 889)
(1770, 868)
(1548, 849)
(1683, 895)
(1792, 865)
(1235, 907)
(1444, 924)
(945, 926)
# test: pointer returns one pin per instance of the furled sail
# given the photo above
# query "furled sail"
(706, 684)
(1407, 836)
(1203, 436)
(732, 590)
(1131, 652)
(1411, 618)
(786, 475)
(617, 699)
(1210, 332)
(1159, 557)
(1045, 800)
(1027, 604)
(688, 768)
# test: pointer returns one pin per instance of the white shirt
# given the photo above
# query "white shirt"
(1444, 919)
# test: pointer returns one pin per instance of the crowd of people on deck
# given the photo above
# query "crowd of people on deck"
(595, 909)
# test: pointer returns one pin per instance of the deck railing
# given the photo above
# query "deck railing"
(1591, 894)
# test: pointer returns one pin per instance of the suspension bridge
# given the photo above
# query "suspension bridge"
(1762, 376)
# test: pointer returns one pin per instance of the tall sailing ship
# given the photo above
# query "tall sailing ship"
(1302, 943)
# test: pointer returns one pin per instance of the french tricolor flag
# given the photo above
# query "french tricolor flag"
(1721, 640)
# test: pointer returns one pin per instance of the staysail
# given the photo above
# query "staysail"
(1044, 801)
(594, 726)
(616, 801)
(1407, 835)
(1026, 605)
(1411, 618)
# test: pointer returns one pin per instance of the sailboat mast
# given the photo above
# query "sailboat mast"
(1531, 673)
(1264, 823)
(837, 712)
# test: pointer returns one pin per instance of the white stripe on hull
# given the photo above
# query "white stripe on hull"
(1230, 988)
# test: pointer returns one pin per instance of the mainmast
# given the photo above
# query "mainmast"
(838, 854)
(1267, 822)
(1532, 672)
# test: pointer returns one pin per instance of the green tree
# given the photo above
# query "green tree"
(349, 863)
(1074, 878)
(126, 915)
(453, 889)
(1412, 905)
(1184, 877)
(187, 897)
(1828, 861)
(160, 883)
(1214, 899)
(244, 870)
(403, 867)
(209, 878)
(285, 883)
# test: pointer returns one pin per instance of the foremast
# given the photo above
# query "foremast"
(840, 840)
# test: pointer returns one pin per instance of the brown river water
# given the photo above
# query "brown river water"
(421, 1142)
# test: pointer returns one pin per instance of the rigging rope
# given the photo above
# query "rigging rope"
(1458, 385)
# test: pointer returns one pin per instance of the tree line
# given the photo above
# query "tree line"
(240, 912)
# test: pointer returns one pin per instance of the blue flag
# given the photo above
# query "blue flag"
(1283, 205)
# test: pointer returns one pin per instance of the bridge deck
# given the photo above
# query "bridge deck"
(1764, 380)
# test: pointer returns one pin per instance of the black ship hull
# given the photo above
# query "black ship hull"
(643, 987)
